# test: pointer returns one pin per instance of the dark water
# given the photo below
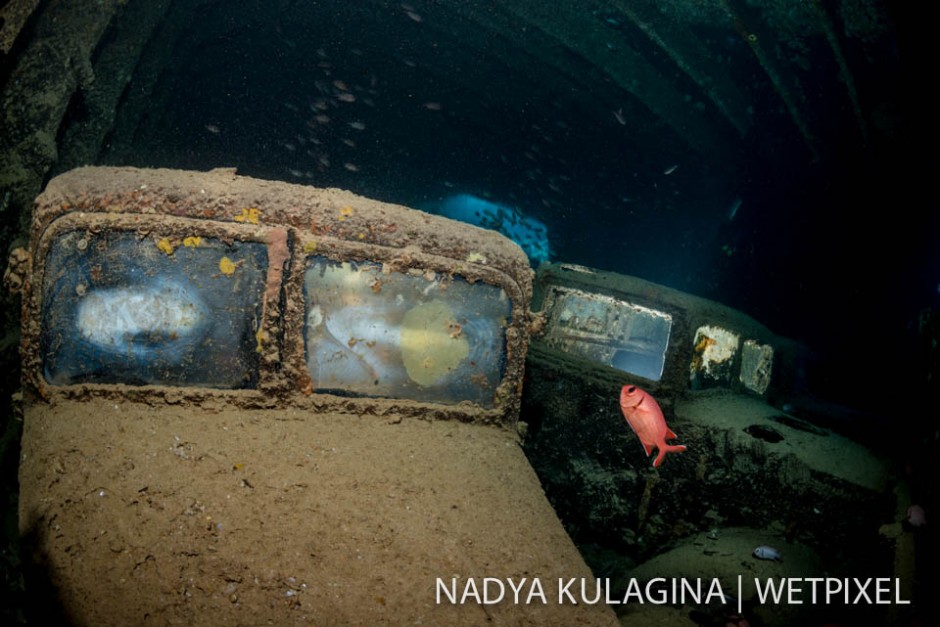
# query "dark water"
(830, 243)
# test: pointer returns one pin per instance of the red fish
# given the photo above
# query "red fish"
(646, 419)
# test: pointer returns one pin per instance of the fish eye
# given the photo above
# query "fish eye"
(631, 389)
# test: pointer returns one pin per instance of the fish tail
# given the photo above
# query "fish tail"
(666, 448)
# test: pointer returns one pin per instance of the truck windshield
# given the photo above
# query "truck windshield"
(122, 308)
(423, 336)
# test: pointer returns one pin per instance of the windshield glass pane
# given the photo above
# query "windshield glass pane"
(422, 336)
(119, 308)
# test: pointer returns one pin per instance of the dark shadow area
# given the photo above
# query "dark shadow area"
(41, 602)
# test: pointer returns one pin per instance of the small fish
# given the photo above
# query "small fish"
(212, 128)
(646, 418)
(733, 209)
(916, 516)
(359, 126)
(620, 117)
(764, 552)
(671, 169)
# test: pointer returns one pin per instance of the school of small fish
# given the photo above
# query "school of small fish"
(330, 122)
(335, 107)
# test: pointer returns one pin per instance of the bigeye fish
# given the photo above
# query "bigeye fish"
(645, 417)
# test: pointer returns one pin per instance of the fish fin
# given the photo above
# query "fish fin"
(670, 435)
(668, 448)
(648, 448)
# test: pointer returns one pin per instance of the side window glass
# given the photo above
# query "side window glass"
(122, 308)
(609, 331)
(420, 336)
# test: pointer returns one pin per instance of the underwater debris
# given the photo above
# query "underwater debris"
(413, 15)
(766, 434)
(799, 425)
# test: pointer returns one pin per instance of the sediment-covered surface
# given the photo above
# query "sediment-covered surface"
(183, 515)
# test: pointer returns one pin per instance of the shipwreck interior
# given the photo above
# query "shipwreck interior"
(765, 155)
(723, 148)
(655, 114)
